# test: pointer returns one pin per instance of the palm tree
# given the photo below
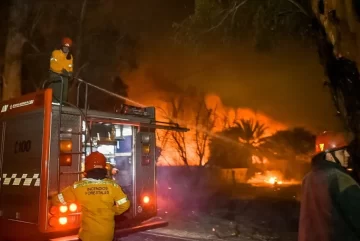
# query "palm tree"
(250, 132)
(226, 151)
(234, 146)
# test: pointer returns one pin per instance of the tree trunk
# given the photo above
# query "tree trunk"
(14, 49)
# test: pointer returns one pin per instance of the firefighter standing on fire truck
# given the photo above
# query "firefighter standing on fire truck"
(61, 66)
(100, 199)
(330, 203)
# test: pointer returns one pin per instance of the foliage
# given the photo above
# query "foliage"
(290, 150)
(289, 144)
(262, 22)
(227, 152)
(250, 131)
(234, 146)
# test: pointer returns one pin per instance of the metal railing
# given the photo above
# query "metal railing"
(61, 102)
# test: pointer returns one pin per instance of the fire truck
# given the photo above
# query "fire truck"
(43, 145)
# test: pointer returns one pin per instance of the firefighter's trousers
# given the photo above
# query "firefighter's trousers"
(56, 86)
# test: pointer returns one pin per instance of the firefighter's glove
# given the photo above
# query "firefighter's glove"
(64, 72)
(68, 56)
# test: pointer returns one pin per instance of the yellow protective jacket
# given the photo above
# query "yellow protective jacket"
(58, 62)
(97, 199)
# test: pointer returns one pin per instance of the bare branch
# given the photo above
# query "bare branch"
(205, 122)
(80, 69)
(299, 7)
(36, 21)
(172, 115)
(80, 32)
(233, 11)
(33, 46)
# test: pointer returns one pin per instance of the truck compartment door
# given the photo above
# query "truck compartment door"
(20, 189)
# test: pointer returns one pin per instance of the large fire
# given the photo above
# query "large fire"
(170, 155)
(161, 100)
(267, 178)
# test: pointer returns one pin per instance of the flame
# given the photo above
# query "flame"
(213, 101)
(227, 115)
(270, 178)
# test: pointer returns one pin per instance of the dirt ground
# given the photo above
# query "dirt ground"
(243, 212)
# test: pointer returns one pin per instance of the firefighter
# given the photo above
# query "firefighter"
(99, 197)
(330, 203)
(61, 66)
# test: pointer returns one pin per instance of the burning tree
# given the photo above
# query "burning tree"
(241, 140)
(226, 151)
(189, 108)
(204, 124)
(176, 114)
(293, 146)
(250, 131)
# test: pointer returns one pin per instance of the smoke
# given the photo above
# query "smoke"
(286, 84)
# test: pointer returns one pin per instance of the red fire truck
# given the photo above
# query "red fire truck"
(42, 149)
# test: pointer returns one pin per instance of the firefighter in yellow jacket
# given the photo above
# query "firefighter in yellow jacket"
(100, 199)
(61, 67)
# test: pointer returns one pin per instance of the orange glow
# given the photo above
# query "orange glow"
(53, 210)
(53, 222)
(66, 160)
(63, 220)
(63, 209)
(146, 200)
(225, 117)
(269, 178)
(73, 207)
(65, 145)
(146, 149)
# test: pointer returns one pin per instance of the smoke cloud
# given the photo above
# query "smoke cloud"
(286, 84)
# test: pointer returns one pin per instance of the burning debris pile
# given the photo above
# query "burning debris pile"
(268, 178)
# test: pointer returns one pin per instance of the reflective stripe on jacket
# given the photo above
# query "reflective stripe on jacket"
(100, 201)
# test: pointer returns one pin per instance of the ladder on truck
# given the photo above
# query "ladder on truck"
(83, 114)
